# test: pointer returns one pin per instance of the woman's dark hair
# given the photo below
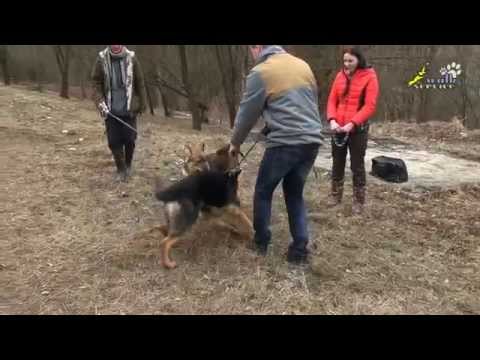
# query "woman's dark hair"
(362, 63)
(355, 51)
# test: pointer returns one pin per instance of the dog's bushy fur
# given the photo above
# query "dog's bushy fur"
(197, 160)
(186, 199)
(210, 188)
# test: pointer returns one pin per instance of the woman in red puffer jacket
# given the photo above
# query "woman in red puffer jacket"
(352, 102)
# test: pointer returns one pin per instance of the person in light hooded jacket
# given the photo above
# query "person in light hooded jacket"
(282, 89)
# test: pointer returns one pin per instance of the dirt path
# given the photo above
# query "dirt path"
(74, 242)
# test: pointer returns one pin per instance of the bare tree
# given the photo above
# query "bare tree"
(425, 96)
(36, 70)
(149, 73)
(163, 96)
(203, 73)
(63, 56)
(464, 53)
(83, 61)
(146, 54)
(193, 105)
(231, 62)
(4, 59)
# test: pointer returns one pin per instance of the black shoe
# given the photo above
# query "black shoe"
(296, 259)
(124, 176)
(121, 176)
(119, 157)
(128, 172)
(260, 250)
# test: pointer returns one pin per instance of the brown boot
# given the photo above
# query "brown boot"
(358, 200)
(336, 194)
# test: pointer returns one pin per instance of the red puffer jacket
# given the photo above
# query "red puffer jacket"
(361, 101)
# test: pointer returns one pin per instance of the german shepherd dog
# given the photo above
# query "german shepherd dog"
(186, 199)
(197, 160)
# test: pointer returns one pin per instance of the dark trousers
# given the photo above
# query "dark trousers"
(357, 145)
(292, 164)
(121, 139)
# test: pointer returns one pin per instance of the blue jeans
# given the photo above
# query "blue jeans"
(292, 164)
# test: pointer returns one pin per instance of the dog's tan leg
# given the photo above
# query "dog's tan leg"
(222, 224)
(167, 246)
(245, 222)
(215, 217)
(163, 254)
(163, 229)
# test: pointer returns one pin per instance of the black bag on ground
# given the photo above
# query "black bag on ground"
(389, 169)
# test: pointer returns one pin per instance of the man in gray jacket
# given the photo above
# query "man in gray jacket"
(282, 89)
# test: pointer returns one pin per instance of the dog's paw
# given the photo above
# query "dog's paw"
(170, 265)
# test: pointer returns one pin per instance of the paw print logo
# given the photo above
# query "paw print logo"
(452, 69)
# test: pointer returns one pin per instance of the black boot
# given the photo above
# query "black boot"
(297, 257)
(119, 158)
(129, 151)
(260, 249)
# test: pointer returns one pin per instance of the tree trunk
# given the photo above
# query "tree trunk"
(227, 90)
(4, 59)
(422, 111)
(231, 62)
(149, 73)
(62, 54)
(463, 54)
(196, 116)
(6, 74)
(39, 69)
(82, 86)
(64, 85)
(163, 96)
(149, 98)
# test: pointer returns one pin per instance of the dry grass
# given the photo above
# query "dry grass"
(76, 243)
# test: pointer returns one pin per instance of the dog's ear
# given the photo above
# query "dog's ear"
(223, 150)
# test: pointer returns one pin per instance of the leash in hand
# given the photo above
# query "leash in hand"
(123, 122)
(105, 112)
(338, 139)
(264, 132)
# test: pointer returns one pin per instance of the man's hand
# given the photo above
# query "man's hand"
(233, 150)
(348, 128)
(103, 108)
(334, 126)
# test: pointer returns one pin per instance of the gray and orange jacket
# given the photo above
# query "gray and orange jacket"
(282, 89)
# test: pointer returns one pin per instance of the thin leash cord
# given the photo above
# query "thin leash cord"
(343, 142)
(122, 122)
(337, 143)
(249, 150)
